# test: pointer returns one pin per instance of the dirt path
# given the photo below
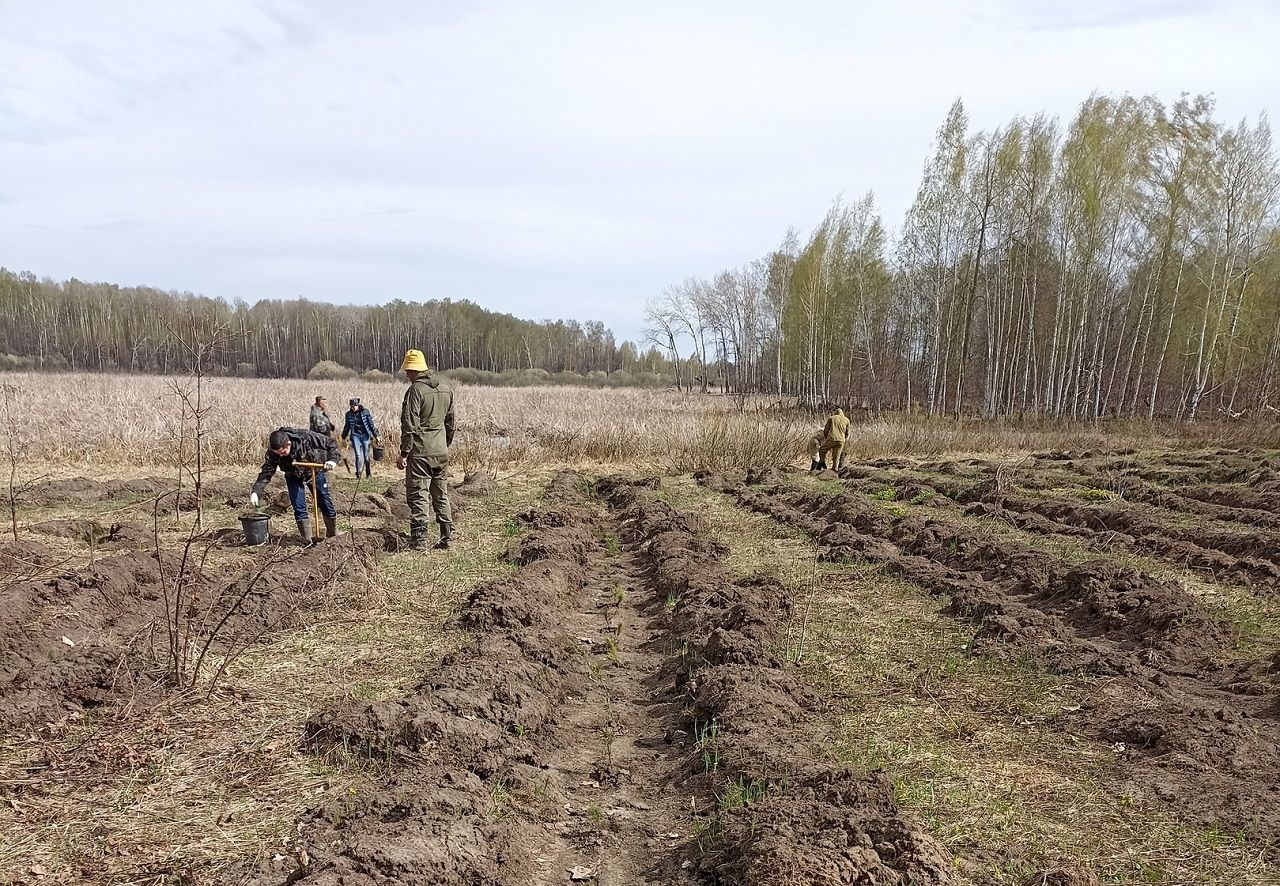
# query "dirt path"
(547, 749)
(626, 819)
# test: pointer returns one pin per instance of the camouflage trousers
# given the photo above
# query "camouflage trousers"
(426, 491)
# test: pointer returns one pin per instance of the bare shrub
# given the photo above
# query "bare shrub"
(17, 451)
(12, 363)
(329, 370)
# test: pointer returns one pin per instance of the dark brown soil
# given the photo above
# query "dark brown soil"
(544, 746)
(1246, 557)
(610, 693)
(755, 729)
(23, 559)
(1233, 486)
(475, 485)
(370, 504)
(85, 490)
(1072, 876)
(1199, 737)
(1232, 548)
(104, 536)
(90, 637)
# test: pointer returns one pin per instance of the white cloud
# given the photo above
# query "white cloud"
(551, 161)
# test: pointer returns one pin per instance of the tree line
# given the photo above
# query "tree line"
(1125, 265)
(47, 324)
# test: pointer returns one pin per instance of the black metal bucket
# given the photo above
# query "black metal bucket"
(256, 529)
(379, 453)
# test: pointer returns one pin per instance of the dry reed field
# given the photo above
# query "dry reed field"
(133, 420)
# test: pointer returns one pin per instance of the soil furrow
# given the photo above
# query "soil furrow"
(1197, 736)
(538, 752)
(93, 637)
(626, 818)
(1249, 556)
(783, 815)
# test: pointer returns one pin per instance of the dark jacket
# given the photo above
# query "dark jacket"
(426, 421)
(321, 423)
(308, 446)
(359, 424)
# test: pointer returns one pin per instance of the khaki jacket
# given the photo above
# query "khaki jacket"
(836, 429)
(426, 421)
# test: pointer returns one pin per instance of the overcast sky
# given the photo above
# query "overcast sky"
(546, 159)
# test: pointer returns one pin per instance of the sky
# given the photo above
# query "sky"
(554, 159)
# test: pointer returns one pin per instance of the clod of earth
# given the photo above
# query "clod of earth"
(111, 608)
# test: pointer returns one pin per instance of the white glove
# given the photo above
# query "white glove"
(253, 499)
(330, 465)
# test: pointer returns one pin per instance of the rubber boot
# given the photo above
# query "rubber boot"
(417, 539)
(305, 533)
(446, 534)
(330, 527)
(815, 466)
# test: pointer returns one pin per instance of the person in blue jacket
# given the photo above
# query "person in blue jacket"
(361, 430)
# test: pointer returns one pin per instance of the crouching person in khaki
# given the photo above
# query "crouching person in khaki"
(834, 436)
(426, 432)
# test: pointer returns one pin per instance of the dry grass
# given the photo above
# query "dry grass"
(966, 739)
(129, 420)
(180, 791)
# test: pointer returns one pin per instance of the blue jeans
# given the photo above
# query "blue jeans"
(360, 449)
(298, 495)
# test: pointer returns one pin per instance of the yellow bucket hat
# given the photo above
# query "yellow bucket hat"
(414, 360)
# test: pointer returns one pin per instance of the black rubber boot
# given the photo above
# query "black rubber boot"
(305, 533)
(815, 466)
(446, 535)
(417, 539)
(330, 527)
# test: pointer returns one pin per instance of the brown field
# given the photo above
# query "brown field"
(972, 657)
(133, 420)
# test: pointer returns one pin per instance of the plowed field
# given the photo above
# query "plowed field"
(1062, 669)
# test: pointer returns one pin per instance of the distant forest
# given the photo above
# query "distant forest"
(1127, 264)
(45, 324)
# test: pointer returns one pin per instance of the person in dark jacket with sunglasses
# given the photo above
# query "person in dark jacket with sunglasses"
(287, 450)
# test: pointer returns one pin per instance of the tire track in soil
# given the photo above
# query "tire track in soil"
(1201, 738)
